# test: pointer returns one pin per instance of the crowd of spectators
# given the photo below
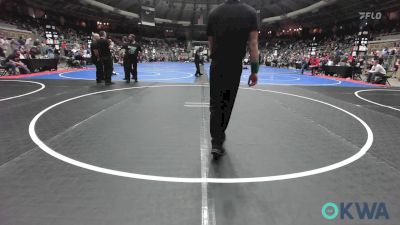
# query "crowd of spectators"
(298, 53)
(74, 47)
(288, 53)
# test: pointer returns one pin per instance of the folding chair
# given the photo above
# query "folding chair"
(357, 72)
(389, 74)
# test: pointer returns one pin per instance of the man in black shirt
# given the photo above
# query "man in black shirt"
(13, 62)
(96, 58)
(230, 26)
(103, 46)
(132, 53)
(197, 62)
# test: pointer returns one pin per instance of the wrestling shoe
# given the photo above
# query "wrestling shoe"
(217, 153)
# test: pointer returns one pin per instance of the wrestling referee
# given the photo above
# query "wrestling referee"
(231, 26)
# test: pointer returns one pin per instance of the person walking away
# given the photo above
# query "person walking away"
(231, 26)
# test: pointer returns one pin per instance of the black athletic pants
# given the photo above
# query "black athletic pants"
(99, 71)
(197, 69)
(224, 84)
(108, 69)
(372, 78)
(130, 67)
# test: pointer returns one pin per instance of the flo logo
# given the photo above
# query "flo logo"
(370, 15)
(355, 210)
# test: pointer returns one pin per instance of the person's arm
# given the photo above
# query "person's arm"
(254, 54)
(372, 69)
(253, 46)
(11, 61)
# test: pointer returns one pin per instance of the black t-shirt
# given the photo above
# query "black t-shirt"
(131, 51)
(34, 51)
(197, 58)
(103, 46)
(230, 25)
(93, 46)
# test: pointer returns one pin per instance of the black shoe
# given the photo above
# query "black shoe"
(201, 74)
(109, 83)
(217, 153)
(136, 81)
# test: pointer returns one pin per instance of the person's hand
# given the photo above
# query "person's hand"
(252, 79)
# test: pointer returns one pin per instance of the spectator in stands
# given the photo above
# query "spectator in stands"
(23, 53)
(44, 49)
(28, 42)
(21, 41)
(304, 64)
(2, 41)
(13, 62)
(377, 73)
(314, 64)
(34, 52)
(330, 62)
(14, 45)
(2, 53)
(2, 47)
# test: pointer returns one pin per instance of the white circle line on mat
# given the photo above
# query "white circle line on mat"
(42, 86)
(357, 94)
(47, 149)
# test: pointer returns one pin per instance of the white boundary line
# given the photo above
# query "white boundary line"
(197, 106)
(197, 103)
(357, 94)
(294, 84)
(206, 208)
(47, 149)
(272, 76)
(23, 81)
(74, 78)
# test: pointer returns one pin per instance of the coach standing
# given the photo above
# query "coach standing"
(132, 53)
(104, 48)
(197, 62)
(230, 27)
(96, 58)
